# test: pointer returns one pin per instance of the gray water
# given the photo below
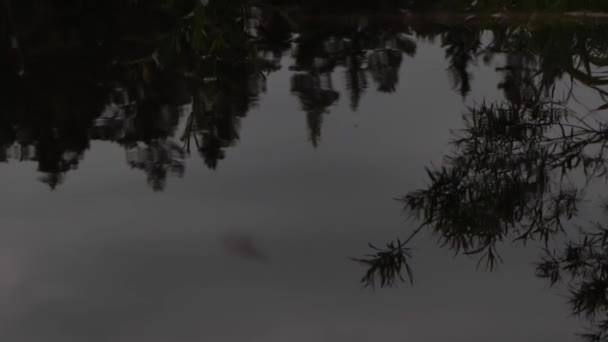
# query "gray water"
(258, 249)
(277, 171)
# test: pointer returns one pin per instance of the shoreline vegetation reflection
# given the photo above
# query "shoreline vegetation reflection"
(167, 79)
(521, 169)
(76, 77)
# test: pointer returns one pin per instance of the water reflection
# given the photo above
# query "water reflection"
(519, 172)
(130, 80)
(165, 80)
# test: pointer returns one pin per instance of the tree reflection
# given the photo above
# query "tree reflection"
(164, 79)
(514, 177)
(461, 47)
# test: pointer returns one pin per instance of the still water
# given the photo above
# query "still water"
(155, 197)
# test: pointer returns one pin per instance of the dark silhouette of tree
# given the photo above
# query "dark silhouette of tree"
(461, 47)
(124, 71)
(126, 79)
(512, 177)
(315, 97)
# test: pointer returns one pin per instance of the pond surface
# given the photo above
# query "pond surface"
(175, 176)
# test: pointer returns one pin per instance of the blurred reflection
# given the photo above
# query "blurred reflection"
(520, 172)
(74, 76)
(166, 79)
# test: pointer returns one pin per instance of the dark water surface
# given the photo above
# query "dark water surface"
(208, 171)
